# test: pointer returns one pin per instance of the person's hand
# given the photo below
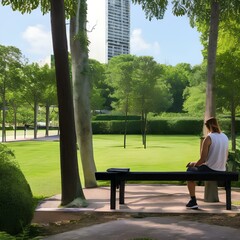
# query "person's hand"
(190, 164)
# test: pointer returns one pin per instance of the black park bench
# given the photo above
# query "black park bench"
(118, 177)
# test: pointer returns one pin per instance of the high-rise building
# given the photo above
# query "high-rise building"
(108, 28)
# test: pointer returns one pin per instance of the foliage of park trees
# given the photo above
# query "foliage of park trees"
(117, 87)
(24, 86)
(227, 74)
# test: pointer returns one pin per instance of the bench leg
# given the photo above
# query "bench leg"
(113, 194)
(122, 192)
(228, 195)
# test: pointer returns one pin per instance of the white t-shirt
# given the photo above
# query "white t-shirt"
(217, 155)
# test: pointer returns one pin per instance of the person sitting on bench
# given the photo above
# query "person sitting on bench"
(213, 157)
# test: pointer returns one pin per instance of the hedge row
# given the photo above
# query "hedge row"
(109, 117)
(163, 126)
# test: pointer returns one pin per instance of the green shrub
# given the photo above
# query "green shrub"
(101, 127)
(185, 126)
(134, 127)
(109, 117)
(233, 163)
(116, 127)
(158, 127)
(6, 236)
(16, 200)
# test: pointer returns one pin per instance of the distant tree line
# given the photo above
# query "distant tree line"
(127, 84)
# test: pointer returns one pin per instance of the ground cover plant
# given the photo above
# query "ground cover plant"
(16, 200)
(39, 160)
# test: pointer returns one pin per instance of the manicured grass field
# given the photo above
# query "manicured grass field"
(39, 160)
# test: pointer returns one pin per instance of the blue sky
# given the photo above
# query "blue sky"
(169, 41)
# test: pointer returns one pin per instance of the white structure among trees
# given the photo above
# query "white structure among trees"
(108, 28)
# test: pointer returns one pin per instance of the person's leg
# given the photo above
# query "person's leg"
(191, 188)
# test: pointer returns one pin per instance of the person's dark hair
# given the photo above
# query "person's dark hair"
(212, 125)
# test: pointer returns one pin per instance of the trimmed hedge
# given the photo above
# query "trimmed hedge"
(116, 127)
(160, 126)
(175, 126)
(7, 128)
(109, 117)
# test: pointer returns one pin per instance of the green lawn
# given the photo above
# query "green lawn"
(40, 164)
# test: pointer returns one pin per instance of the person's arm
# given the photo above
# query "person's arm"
(227, 155)
(204, 153)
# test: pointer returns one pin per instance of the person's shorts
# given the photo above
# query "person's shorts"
(202, 168)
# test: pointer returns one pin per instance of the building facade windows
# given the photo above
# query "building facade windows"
(110, 21)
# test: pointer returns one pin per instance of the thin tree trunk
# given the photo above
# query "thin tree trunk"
(4, 112)
(35, 119)
(145, 131)
(233, 126)
(47, 119)
(81, 92)
(125, 124)
(15, 121)
(211, 193)
(142, 122)
(71, 185)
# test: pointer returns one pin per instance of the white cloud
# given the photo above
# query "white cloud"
(156, 47)
(39, 40)
(44, 61)
(137, 41)
(140, 46)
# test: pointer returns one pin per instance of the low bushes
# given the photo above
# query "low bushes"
(175, 126)
(188, 126)
(160, 126)
(233, 163)
(109, 117)
(5, 236)
(16, 200)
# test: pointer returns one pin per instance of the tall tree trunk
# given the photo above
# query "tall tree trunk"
(210, 110)
(233, 125)
(81, 91)
(71, 185)
(211, 193)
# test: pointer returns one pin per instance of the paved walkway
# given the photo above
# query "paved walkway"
(41, 137)
(164, 228)
(145, 199)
